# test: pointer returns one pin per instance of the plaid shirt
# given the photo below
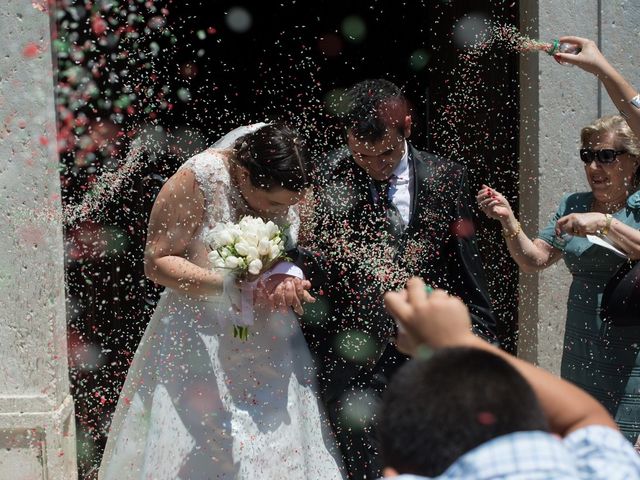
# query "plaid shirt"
(594, 452)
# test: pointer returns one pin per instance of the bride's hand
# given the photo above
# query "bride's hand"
(280, 292)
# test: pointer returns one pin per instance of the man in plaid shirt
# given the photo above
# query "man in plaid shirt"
(471, 411)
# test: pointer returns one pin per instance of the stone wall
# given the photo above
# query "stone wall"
(556, 102)
(37, 432)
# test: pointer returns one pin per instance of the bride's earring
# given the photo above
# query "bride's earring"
(244, 175)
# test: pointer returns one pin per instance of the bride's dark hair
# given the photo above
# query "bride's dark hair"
(275, 156)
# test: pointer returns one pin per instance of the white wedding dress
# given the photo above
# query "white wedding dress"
(201, 404)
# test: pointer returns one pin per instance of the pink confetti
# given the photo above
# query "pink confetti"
(31, 50)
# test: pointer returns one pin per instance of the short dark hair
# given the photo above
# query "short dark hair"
(436, 410)
(275, 156)
(373, 106)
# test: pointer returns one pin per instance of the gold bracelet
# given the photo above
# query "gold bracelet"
(607, 225)
(511, 236)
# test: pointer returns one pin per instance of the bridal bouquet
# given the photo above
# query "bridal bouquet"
(248, 247)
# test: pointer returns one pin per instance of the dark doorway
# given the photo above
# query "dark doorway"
(182, 73)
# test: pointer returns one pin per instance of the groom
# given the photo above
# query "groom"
(385, 212)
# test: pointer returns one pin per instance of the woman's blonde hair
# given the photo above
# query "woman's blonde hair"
(616, 125)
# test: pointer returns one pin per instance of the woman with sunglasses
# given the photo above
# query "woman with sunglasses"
(600, 358)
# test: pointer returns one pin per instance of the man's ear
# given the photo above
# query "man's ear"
(389, 472)
(406, 126)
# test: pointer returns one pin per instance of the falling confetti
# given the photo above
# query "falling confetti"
(31, 50)
(124, 68)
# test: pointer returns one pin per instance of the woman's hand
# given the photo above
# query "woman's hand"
(590, 59)
(531, 256)
(495, 206)
(581, 224)
(620, 91)
(279, 292)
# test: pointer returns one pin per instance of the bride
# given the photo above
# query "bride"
(199, 403)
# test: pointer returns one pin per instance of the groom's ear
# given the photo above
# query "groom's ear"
(406, 126)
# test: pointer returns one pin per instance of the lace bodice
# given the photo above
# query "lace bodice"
(223, 201)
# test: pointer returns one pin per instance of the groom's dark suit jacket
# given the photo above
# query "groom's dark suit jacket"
(348, 329)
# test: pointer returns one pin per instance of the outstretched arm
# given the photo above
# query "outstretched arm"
(176, 215)
(440, 321)
(620, 91)
(530, 255)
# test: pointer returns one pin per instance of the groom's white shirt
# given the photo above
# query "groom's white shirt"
(400, 189)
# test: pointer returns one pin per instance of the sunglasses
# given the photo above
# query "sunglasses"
(605, 156)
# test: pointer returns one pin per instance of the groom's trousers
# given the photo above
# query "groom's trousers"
(353, 416)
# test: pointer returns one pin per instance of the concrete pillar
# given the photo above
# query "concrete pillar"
(556, 102)
(37, 430)
(619, 36)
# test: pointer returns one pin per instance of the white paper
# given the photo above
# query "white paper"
(604, 243)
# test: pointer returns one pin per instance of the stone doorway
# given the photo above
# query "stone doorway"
(179, 74)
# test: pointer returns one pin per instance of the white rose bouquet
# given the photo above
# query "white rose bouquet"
(251, 246)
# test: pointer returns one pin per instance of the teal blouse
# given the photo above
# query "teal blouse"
(602, 359)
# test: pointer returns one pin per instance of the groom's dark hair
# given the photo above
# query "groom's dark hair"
(373, 107)
(275, 156)
(436, 410)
